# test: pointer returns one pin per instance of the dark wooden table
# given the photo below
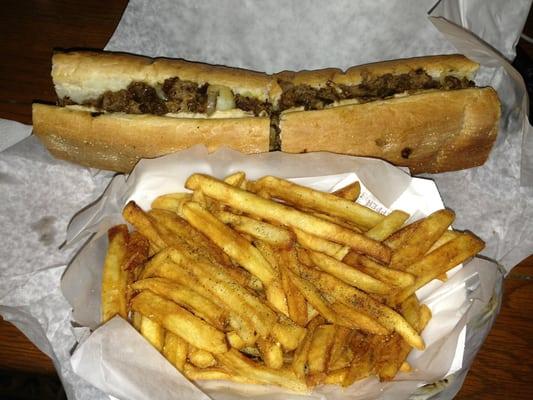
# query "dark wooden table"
(29, 30)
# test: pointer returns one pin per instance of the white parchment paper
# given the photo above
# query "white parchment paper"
(114, 360)
(39, 194)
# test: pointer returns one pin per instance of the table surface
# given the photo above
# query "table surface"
(30, 30)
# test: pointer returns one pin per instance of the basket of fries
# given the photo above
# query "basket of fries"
(276, 276)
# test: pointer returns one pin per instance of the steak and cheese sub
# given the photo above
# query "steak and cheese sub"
(113, 109)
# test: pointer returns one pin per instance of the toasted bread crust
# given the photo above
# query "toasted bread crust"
(428, 132)
(117, 141)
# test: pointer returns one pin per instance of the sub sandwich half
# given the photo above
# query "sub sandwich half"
(113, 109)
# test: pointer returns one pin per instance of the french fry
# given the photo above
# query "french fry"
(136, 320)
(440, 260)
(241, 365)
(287, 333)
(271, 353)
(445, 238)
(419, 241)
(153, 332)
(312, 242)
(215, 373)
(319, 351)
(175, 350)
(236, 179)
(405, 367)
(320, 201)
(351, 317)
(340, 341)
(348, 274)
(285, 215)
(296, 303)
(349, 192)
(144, 224)
(344, 359)
(336, 377)
(272, 234)
(299, 361)
(200, 358)
(388, 225)
(336, 220)
(180, 322)
(187, 298)
(235, 340)
(362, 363)
(171, 201)
(114, 278)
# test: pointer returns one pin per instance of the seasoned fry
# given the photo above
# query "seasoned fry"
(271, 353)
(388, 225)
(171, 201)
(180, 322)
(153, 332)
(299, 361)
(200, 358)
(340, 341)
(175, 350)
(351, 317)
(215, 373)
(187, 298)
(312, 242)
(296, 303)
(272, 234)
(241, 365)
(114, 278)
(320, 201)
(319, 351)
(270, 210)
(287, 333)
(349, 192)
(336, 377)
(348, 274)
(362, 363)
(143, 223)
(236, 179)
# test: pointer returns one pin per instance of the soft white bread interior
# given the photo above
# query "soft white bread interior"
(86, 75)
(116, 141)
(433, 131)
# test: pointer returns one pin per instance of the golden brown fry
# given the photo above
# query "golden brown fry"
(336, 377)
(348, 274)
(144, 224)
(287, 333)
(175, 350)
(136, 320)
(272, 234)
(271, 353)
(200, 358)
(405, 367)
(319, 351)
(299, 361)
(241, 365)
(362, 364)
(235, 340)
(215, 373)
(188, 298)
(387, 275)
(153, 332)
(340, 341)
(114, 278)
(390, 224)
(349, 192)
(180, 322)
(312, 242)
(336, 220)
(351, 317)
(418, 242)
(324, 202)
(345, 358)
(171, 201)
(296, 303)
(236, 179)
(285, 215)
(445, 238)
(439, 261)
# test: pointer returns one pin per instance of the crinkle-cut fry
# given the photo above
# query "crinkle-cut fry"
(153, 332)
(340, 341)
(237, 179)
(215, 373)
(420, 240)
(320, 349)
(351, 317)
(390, 224)
(271, 352)
(285, 215)
(228, 291)
(196, 240)
(320, 201)
(200, 358)
(392, 277)
(175, 350)
(312, 242)
(144, 224)
(296, 303)
(349, 295)
(114, 278)
(439, 261)
(170, 201)
(299, 361)
(180, 322)
(272, 234)
(188, 298)
(362, 364)
(349, 192)
(241, 365)
(348, 274)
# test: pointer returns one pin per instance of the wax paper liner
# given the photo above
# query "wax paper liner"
(116, 359)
